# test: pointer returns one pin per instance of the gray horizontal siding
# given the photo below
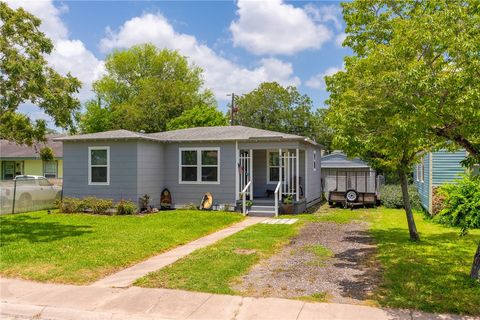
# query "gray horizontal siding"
(193, 193)
(150, 171)
(123, 170)
(314, 186)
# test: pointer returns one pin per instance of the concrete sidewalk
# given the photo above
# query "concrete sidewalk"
(126, 277)
(31, 300)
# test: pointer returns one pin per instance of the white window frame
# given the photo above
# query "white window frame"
(268, 165)
(422, 170)
(90, 182)
(199, 165)
(314, 160)
(417, 172)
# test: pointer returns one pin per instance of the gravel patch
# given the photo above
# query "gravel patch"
(343, 268)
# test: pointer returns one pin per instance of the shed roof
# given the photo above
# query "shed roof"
(341, 161)
(219, 133)
(13, 150)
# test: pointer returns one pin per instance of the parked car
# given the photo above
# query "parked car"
(33, 190)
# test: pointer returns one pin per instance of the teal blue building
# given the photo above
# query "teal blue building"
(435, 169)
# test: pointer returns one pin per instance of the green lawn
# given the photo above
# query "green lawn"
(212, 269)
(431, 275)
(81, 248)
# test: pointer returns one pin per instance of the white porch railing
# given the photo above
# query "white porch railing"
(277, 190)
(289, 164)
(245, 170)
(244, 198)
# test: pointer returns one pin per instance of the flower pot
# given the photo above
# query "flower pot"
(287, 208)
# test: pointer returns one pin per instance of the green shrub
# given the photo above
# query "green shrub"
(98, 206)
(462, 203)
(126, 207)
(391, 196)
(70, 205)
(190, 206)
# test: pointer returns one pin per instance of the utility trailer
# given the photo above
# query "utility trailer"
(352, 188)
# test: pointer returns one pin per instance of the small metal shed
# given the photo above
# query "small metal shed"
(348, 181)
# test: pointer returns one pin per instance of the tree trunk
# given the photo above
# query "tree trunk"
(475, 273)
(412, 228)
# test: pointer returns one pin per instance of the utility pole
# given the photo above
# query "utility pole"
(232, 108)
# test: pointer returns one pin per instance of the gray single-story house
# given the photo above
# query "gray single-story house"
(227, 161)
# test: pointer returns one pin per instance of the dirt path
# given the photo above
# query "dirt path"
(324, 260)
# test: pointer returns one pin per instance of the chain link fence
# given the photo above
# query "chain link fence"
(29, 194)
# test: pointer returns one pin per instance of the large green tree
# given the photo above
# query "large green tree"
(26, 77)
(202, 116)
(144, 88)
(414, 74)
(273, 107)
(437, 45)
(95, 118)
(322, 132)
(371, 121)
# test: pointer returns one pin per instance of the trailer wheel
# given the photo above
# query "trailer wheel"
(351, 195)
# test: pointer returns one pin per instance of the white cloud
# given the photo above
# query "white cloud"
(340, 38)
(318, 81)
(273, 27)
(68, 55)
(221, 75)
(326, 14)
(52, 25)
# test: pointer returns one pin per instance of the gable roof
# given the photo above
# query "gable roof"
(341, 161)
(106, 135)
(12, 150)
(219, 133)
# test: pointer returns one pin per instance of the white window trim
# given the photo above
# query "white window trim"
(417, 172)
(198, 165)
(314, 160)
(422, 170)
(268, 166)
(90, 183)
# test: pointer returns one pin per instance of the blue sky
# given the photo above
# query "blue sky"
(239, 44)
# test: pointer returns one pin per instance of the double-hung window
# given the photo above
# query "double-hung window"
(314, 160)
(199, 165)
(50, 169)
(98, 165)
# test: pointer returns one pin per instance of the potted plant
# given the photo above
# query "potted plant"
(287, 205)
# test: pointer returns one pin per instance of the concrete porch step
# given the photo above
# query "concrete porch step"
(261, 211)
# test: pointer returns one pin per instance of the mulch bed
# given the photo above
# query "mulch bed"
(349, 275)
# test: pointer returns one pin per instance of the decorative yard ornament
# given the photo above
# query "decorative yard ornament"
(166, 200)
(207, 202)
